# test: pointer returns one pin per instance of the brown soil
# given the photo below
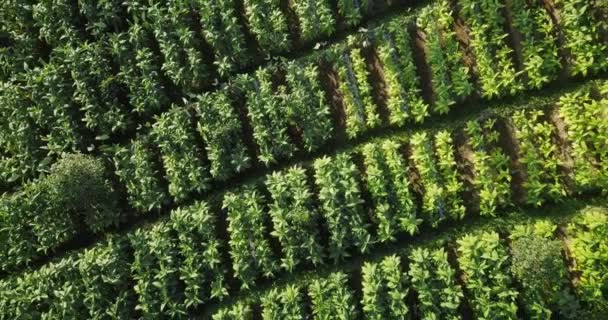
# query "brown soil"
(368, 202)
(377, 7)
(508, 143)
(564, 149)
(463, 35)
(412, 302)
(553, 11)
(221, 231)
(287, 7)
(464, 164)
(573, 275)
(514, 39)
(294, 131)
(551, 8)
(423, 70)
(199, 144)
(376, 79)
(415, 185)
(322, 224)
(204, 47)
(330, 83)
(240, 104)
(466, 311)
(250, 40)
(355, 282)
(414, 175)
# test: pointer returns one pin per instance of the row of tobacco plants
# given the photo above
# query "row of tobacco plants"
(487, 271)
(339, 207)
(109, 68)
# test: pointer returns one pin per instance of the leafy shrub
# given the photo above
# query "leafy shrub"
(537, 263)
(77, 183)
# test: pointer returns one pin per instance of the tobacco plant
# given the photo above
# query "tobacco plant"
(307, 107)
(155, 270)
(385, 289)
(434, 279)
(449, 75)
(201, 267)
(359, 106)
(136, 169)
(250, 250)
(539, 155)
(266, 111)
(332, 298)
(284, 303)
(386, 175)
(221, 130)
(315, 17)
(341, 205)
(222, 30)
(268, 25)
(541, 61)
(497, 71)
(404, 101)
(588, 247)
(585, 119)
(490, 165)
(352, 11)
(295, 218)
(484, 260)
(176, 139)
(587, 53)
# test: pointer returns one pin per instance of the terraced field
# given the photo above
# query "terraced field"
(274, 159)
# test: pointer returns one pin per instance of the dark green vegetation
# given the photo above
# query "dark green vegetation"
(211, 159)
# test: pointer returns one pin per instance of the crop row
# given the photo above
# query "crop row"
(95, 91)
(474, 273)
(339, 207)
(93, 69)
(177, 27)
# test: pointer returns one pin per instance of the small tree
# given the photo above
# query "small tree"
(538, 265)
(77, 184)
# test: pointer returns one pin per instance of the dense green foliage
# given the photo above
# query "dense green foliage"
(303, 159)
